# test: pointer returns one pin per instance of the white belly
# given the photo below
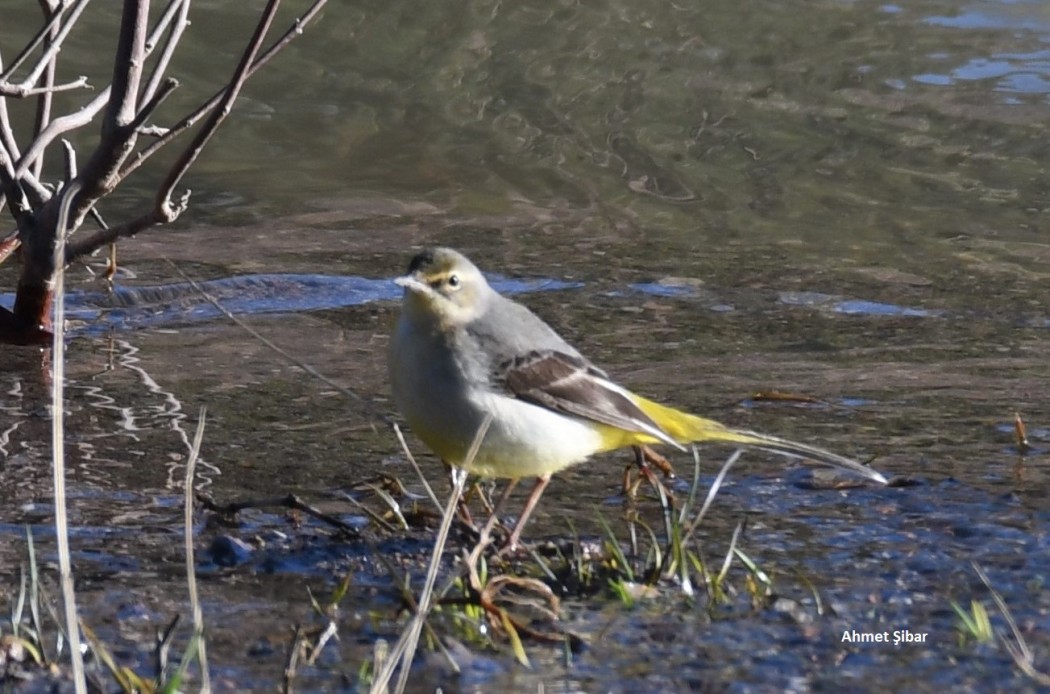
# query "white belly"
(523, 440)
(526, 440)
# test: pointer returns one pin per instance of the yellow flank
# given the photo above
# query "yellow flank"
(615, 438)
(686, 428)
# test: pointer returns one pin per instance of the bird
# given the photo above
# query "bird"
(462, 355)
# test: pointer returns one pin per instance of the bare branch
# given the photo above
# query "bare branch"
(168, 210)
(21, 91)
(80, 247)
(160, 67)
(28, 192)
(59, 126)
(14, 194)
(189, 121)
(13, 188)
(37, 39)
(97, 216)
(8, 180)
(52, 49)
(165, 209)
(45, 99)
(128, 106)
(7, 133)
(85, 115)
(118, 138)
(150, 107)
(71, 160)
(154, 131)
(13, 180)
(121, 121)
(127, 67)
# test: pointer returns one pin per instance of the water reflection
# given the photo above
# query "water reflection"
(1029, 15)
(170, 305)
(119, 418)
(1008, 71)
(1011, 72)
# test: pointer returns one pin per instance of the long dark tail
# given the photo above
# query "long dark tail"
(801, 450)
(687, 428)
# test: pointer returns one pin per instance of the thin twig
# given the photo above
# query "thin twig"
(110, 234)
(9, 185)
(289, 501)
(21, 92)
(28, 49)
(44, 101)
(374, 515)
(71, 160)
(52, 49)
(178, 26)
(330, 631)
(150, 107)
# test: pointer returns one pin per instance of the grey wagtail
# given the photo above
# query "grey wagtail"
(461, 352)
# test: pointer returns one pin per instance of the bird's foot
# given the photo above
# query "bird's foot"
(654, 459)
(645, 459)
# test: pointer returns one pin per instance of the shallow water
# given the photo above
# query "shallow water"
(842, 200)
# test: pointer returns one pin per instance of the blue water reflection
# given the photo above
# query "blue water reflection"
(130, 308)
(1013, 72)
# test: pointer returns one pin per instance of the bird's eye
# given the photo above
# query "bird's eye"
(453, 281)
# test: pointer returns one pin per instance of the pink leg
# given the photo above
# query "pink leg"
(530, 504)
(494, 518)
(483, 536)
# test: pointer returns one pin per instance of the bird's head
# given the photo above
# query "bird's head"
(446, 286)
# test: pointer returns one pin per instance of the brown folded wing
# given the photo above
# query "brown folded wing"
(570, 384)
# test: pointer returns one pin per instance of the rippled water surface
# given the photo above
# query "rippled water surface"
(837, 200)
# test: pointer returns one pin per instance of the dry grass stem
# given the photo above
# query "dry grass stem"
(191, 572)
(58, 451)
(715, 486)
(415, 467)
(1018, 647)
(405, 649)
